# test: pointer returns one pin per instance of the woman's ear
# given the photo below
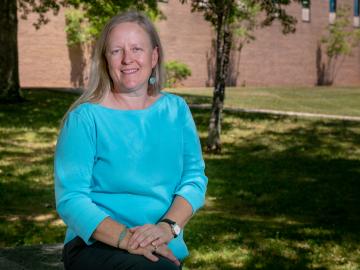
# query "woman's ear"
(154, 57)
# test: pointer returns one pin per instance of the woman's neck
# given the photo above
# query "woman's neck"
(131, 101)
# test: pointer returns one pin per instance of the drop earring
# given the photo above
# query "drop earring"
(152, 80)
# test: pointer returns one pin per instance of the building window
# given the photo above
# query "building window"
(332, 9)
(356, 13)
(305, 11)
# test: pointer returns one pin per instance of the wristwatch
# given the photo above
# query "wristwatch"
(175, 229)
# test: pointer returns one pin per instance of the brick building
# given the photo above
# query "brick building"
(273, 59)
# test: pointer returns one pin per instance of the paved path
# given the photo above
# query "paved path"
(286, 113)
(40, 257)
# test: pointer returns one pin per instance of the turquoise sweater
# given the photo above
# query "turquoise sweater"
(127, 164)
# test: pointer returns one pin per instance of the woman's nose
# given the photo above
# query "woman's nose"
(127, 57)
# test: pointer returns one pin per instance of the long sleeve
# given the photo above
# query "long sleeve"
(193, 182)
(74, 160)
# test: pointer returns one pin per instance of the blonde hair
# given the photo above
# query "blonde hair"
(100, 83)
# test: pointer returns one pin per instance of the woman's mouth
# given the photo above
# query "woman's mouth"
(129, 70)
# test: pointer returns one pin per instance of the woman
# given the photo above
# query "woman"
(129, 173)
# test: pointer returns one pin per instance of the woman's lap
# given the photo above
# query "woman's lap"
(77, 255)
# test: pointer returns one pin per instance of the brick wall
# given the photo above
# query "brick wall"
(271, 60)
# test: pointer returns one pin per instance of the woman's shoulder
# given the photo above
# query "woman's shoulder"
(175, 99)
(83, 110)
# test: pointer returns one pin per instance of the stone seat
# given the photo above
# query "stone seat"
(39, 257)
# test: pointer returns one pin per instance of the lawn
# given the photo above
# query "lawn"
(324, 100)
(284, 194)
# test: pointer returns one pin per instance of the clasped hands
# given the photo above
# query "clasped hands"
(148, 240)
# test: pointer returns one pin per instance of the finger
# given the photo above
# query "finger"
(167, 253)
(151, 256)
(139, 236)
(148, 253)
(157, 234)
(158, 242)
(136, 233)
(149, 239)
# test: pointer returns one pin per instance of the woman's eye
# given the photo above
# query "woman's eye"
(115, 52)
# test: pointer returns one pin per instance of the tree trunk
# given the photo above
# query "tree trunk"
(224, 42)
(9, 70)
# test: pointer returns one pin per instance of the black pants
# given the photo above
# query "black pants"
(78, 256)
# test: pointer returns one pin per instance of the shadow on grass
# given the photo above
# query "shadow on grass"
(283, 196)
(197, 99)
(41, 108)
(28, 132)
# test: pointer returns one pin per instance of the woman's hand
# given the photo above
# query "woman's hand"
(150, 234)
(164, 251)
(149, 250)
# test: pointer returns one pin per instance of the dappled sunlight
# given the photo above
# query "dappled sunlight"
(27, 141)
(282, 189)
(57, 223)
(226, 258)
(315, 232)
(284, 193)
(42, 217)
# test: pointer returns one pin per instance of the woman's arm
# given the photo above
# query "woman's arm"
(161, 233)
(73, 166)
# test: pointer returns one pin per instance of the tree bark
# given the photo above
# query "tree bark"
(9, 70)
(223, 47)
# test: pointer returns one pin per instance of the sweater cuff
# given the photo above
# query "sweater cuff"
(195, 199)
(90, 226)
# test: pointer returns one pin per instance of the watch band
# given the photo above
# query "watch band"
(175, 229)
(168, 221)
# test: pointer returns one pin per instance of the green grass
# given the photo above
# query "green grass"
(325, 100)
(284, 194)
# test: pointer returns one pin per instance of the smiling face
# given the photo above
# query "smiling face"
(130, 57)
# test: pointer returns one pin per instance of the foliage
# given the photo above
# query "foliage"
(283, 195)
(41, 7)
(341, 37)
(176, 72)
(76, 32)
(87, 18)
(339, 42)
(240, 10)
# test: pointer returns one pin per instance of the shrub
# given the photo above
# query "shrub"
(176, 72)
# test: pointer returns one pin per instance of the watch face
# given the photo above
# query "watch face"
(177, 229)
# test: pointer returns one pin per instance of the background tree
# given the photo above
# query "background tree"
(97, 12)
(9, 70)
(231, 17)
(9, 73)
(338, 43)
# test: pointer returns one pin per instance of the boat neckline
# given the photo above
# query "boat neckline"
(152, 105)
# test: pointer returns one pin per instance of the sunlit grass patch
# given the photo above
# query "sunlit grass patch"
(323, 100)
